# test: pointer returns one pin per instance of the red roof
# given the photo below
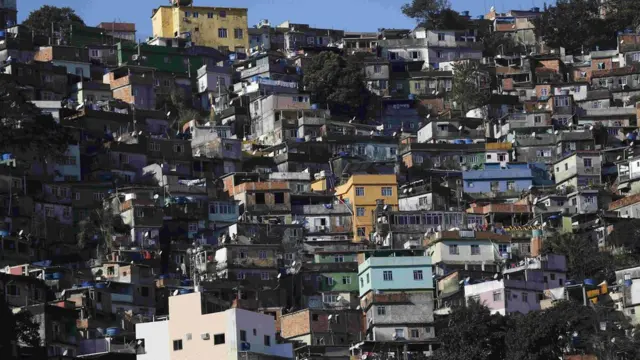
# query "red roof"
(117, 26)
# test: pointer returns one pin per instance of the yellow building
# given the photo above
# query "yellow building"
(223, 28)
(363, 192)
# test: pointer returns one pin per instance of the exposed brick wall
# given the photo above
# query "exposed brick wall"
(551, 64)
(295, 324)
(44, 54)
(124, 94)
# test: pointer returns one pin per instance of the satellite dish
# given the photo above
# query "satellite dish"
(175, 293)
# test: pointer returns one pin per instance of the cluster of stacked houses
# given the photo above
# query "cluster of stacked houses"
(278, 230)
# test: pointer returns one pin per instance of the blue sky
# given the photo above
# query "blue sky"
(351, 15)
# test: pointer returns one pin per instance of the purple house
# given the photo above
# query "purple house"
(522, 285)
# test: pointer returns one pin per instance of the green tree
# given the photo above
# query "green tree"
(583, 258)
(179, 106)
(434, 14)
(17, 328)
(470, 85)
(472, 333)
(99, 229)
(574, 25)
(24, 128)
(42, 20)
(339, 83)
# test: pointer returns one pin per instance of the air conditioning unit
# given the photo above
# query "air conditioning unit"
(322, 228)
(205, 336)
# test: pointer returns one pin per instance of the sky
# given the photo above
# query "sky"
(349, 15)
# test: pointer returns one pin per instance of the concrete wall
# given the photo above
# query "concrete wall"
(156, 340)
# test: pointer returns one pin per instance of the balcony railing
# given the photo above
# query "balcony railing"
(268, 207)
(128, 298)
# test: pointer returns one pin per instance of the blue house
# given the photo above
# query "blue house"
(394, 270)
(501, 178)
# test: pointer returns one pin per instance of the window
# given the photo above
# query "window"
(439, 54)
(601, 66)
(361, 231)
(359, 191)
(377, 69)
(399, 334)
(475, 249)
(178, 148)
(13, 290)
(414, 55)
(511, 185)
(553, 276)
(264, 276)
(502, 248)
(346, 280)
(387, 191)
(262, 254)
(222, 14)
(495, 185)
(453, 250)
(241, 276)
(243, 335)
(195, 14)
(238, 33)
(382, 310)
(66, 212)
(416, 85)
(314, 317)
(186, 14)
(387, 275)
(267, 340)
(177, 345)
(218, 339)
(139, 212)
(210, 15)
(361, 282)
(193, 227)
(154, 146)
(368, 278)
(48, 211)
(417, 274)
(338, 258)
(497, 296)
(79, 71)
(525, 297)
(561, 101)
(222, 33)
(330, 281)
(359, 211)
(415, 333)
(440, 36)
(587, 162)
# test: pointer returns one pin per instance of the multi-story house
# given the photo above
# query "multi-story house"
(376, 73)
(89, 92)
(453, 131)
(325, 332)
(363, 193)
(430, 83)
(521, 288)
(194, 328)
(360, 42)
(433, 47)
(325, 222)
(75, 60)
(213, 82)
(57, 327)
(582, 168)
(396, 294)
(48, 81)
(446, 156)
(331, 279)
(141, 211)
(504, 180)
(516, 23)
(256, 198)
(120, 30)
(134, 85)
(467, 249)
(225, 29)
(300, 36)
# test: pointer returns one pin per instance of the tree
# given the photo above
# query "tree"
(24, 128)
(339, 83)
(179, 106)
(541, 335)
(99, 229)
(470, 85)
(472, 333)
(46, 17)
(583, 258)
(434, 14)
(16, 328)
(574, 25)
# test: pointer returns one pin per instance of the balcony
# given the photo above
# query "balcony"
(268, 208)
(612, 111)
(395, 43)
(311, 121)
(395, 261)
(126, 298)
(247, 263)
